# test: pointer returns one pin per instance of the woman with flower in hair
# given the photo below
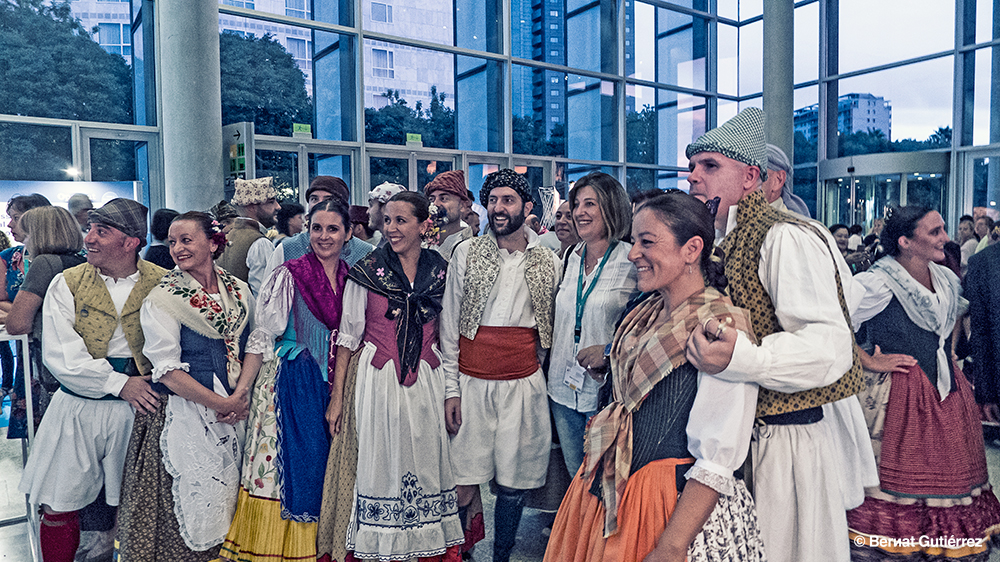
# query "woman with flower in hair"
(298, 314)
(406, 505)
(182, 468)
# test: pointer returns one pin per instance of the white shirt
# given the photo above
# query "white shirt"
(600, 315)
(64, 351)
(508, 305)
(257, 257)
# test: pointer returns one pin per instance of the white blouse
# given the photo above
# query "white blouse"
(718, 430)
(274, 307)
(598, 324)
(352, 320)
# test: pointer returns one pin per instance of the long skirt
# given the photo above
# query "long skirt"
(338, 485)
(270, 525)
(181, 479)
(934, 500)
(407, 503)
(730, 534)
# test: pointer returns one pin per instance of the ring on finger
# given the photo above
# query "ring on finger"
(720, 331)
(704, 325)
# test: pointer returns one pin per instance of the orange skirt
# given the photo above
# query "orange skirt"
(647, 504)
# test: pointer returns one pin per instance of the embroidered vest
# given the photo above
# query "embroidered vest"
(96, 317)
(482, 269)
(742, 246)
(234, 259)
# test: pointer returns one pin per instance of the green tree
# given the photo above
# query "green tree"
(50, 67)
(261, 83)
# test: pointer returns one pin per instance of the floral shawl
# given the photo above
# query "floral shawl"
(187, 301)
(643, 353)
(412, 307)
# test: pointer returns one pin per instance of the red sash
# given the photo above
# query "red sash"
(499, 353)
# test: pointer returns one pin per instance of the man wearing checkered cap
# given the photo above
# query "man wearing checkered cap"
(811, 455)
(92, 343)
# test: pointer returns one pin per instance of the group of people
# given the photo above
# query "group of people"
(693, 354)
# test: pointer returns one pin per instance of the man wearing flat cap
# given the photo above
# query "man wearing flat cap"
(92, 343)
(447, 192)
(777, 189)
(496, 322)
(249, 248)
(810, 450)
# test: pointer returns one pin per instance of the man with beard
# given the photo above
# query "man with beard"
(246, 256)
(498, 303)
(448, 193)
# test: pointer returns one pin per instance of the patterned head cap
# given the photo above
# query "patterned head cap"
(126, 215)
(452, 182)
(741, 138)
(224, 211)
(251, 192)
(505, 178)
(385, 191)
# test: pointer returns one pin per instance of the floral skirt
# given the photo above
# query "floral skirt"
(731, 533)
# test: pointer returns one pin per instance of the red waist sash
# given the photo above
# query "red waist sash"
(499, 353)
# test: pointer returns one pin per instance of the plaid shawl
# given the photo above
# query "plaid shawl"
(644, 352)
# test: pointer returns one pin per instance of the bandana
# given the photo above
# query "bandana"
(643, 353)
(504, 178)
(126, 215)
(452, 182)
(411, 308)
(186, 300)
(322, 300)
(741, 138)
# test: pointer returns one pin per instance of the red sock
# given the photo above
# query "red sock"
(60, 536)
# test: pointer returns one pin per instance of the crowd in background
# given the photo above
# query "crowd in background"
(723, 377)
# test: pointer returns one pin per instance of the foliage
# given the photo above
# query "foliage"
(50, 67)
(261, 83)
(872, 141)
(529, 137)
(391, 123)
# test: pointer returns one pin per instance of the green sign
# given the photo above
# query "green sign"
(301, 128)
(412, 137)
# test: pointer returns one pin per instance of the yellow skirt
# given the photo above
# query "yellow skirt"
(259, 534)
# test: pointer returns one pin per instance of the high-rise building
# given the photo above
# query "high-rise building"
(855, 113)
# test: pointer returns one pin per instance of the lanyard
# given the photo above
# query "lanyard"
(581, 296)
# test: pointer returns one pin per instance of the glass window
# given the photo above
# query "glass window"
(804, 185)
(334, 66)
(33, 152)
(417, 97)
(142, 81)
(539, 117)
(805, 123)
(728, 60)
(392, 170)
(334, 11)
(751, 55)
(337, 165)
(249, 4)
(926, 190)
(681, 46)
(659, 124)
(897, 110)
(297, 9)
(262, 81)
(866, 40)
(984, 21)
(382, 64)
(480, 89)
(118, 160)
(751, 9)
(381, 12)
(986, 183)
(806, 43)
(427, 170)
(728, 9)
(985, 89)
(591, 44)
(593, 132)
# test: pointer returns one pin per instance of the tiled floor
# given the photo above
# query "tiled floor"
(530, 541)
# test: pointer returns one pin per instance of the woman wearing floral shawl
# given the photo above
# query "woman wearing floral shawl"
(183, 463)
(659, 481)
(281, 493)
(406, 505)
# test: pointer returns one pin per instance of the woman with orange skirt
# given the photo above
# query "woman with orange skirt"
(657, 481)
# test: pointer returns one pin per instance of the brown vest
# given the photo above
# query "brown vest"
(243, 234)
(96, 317)
(754, 218)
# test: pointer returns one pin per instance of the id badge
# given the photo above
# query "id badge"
(575, 375)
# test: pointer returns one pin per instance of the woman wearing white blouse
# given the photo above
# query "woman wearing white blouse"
(657, 482)
(596, 286)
